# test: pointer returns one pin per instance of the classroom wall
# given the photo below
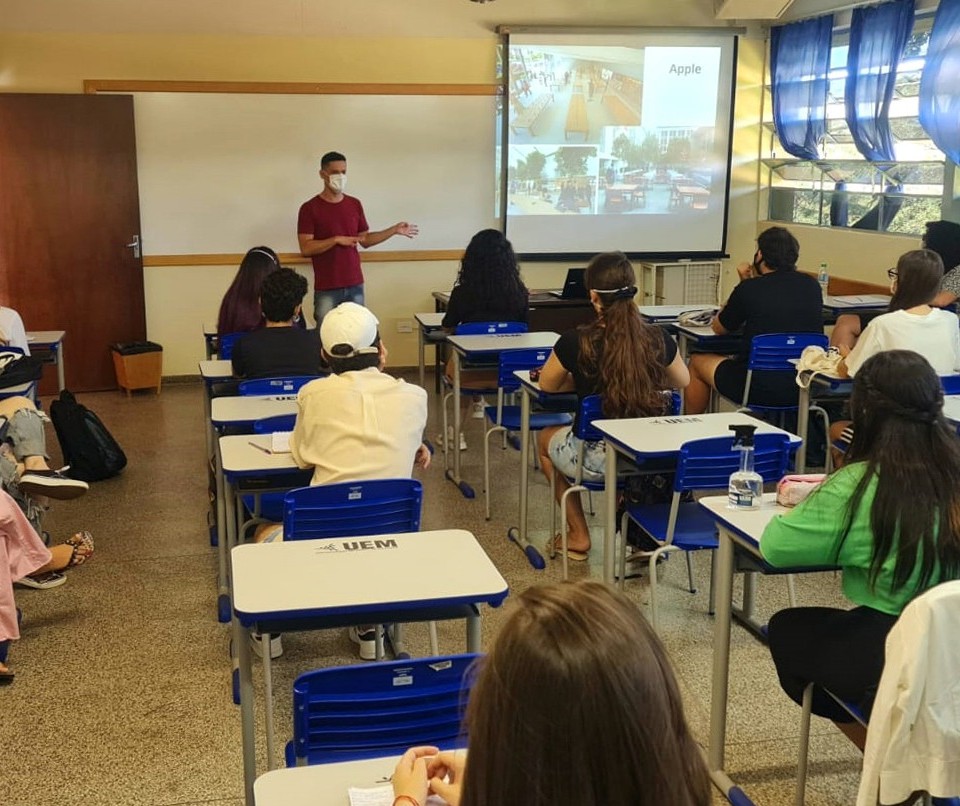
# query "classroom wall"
(180, 299)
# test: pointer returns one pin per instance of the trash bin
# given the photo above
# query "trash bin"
(138, 364)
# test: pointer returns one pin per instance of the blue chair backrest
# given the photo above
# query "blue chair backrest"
(517, 361)
(275, 386)
(352, 509)
(772, 352)
(950, 384)
(225, 344)
(490, 328)
(706, 464)
(346, 713)
(591, 408)
(268, 425)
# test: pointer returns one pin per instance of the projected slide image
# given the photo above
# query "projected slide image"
(568, 94)
(655, 171)
(552, 180)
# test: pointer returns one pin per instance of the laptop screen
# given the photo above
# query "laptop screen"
(574, 286)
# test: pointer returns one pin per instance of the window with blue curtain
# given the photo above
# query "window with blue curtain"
(878, 36)
(799, 64)
(940, 83)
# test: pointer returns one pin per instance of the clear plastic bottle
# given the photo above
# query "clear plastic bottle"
(823, 277)
(746, 485)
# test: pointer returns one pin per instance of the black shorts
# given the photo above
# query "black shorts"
(766, 388)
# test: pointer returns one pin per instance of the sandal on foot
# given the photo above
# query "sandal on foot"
(50, 579)
(554, 546)
(6, 677)
(82, 543)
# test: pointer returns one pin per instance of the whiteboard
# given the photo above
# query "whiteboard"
(220, 173)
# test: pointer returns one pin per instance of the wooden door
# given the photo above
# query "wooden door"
(69, 205)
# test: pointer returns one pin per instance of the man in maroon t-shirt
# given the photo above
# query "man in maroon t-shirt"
(329, 228)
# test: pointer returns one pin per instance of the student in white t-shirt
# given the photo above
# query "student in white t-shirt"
(12, 333)
(912, 323)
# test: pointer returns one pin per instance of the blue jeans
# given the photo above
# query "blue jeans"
(326, 301)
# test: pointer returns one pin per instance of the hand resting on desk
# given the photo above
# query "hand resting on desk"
(425, 770)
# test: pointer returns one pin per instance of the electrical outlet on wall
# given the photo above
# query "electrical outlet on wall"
(404, 326)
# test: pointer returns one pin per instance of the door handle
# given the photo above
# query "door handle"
(135, 246)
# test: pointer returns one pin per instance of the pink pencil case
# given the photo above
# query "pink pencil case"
(792, 489)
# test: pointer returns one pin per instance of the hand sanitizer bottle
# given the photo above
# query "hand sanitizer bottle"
(823, 277)
(746, 485)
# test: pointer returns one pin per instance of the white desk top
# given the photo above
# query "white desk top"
(429, 320)
(224, 410)
(216, 369)
(238, 455)
(663, 436)
(45, 338)
(497, 344)
(748, 524)
(669, 313)
(350, 575)
(951, 408)
(321, 784)
(855, 301)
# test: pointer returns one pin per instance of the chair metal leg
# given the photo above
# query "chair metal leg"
(654, 615)
(534, 452)
(804, 745)
(690, 570)
(792, 590)
(446, 442)
(590, 502)
(378, 641)
(624, 521)
(434, 643)
(486, 470)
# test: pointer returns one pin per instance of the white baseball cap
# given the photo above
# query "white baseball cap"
(349, 330)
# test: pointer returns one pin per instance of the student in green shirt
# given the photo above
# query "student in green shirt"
(890, 519)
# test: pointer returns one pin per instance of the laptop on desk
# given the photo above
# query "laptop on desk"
(574, 286)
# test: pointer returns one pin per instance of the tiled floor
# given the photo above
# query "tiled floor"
(123, 679)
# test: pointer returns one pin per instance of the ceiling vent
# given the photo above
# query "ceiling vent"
(750, 9)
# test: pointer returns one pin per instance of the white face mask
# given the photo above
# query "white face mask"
(338, 182)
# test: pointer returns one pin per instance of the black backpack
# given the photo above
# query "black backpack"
(88, 447)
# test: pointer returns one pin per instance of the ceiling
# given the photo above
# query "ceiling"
(344, 18)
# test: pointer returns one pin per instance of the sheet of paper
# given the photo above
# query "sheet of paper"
(382, 796)
(280, 442)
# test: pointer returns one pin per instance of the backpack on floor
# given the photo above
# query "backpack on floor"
(88, 447)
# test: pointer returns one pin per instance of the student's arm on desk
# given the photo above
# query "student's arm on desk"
(812, 532)
(310, 246)
(732, 316)
(554, 377)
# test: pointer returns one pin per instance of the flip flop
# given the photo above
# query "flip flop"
(553, 546)
(82, 543)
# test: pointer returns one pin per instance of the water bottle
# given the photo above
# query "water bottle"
(824, 279)
(746, 485)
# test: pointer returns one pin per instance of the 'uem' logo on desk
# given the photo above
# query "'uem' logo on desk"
(356, 545)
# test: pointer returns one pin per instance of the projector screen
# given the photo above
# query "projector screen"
(618, 141)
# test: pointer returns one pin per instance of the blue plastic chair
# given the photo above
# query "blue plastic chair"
(275, 386)
(355, 509)
(225, 345)
(474, 329)
(950, 384)
(504, 418)
(590, 409)
(775, 352)
(703, 464)
(352, 508)
(347, 713)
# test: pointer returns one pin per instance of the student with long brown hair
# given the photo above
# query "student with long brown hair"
(618, 356)
(576, 703)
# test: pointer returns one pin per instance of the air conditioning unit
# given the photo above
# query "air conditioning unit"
(687, 283)
(750, 9)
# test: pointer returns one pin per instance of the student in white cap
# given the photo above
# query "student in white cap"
(359, 422)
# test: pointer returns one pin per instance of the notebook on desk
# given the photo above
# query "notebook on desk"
(574, 286)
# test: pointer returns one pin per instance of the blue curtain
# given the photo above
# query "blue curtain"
(939, 91)
(878, 36)
(799, 63)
